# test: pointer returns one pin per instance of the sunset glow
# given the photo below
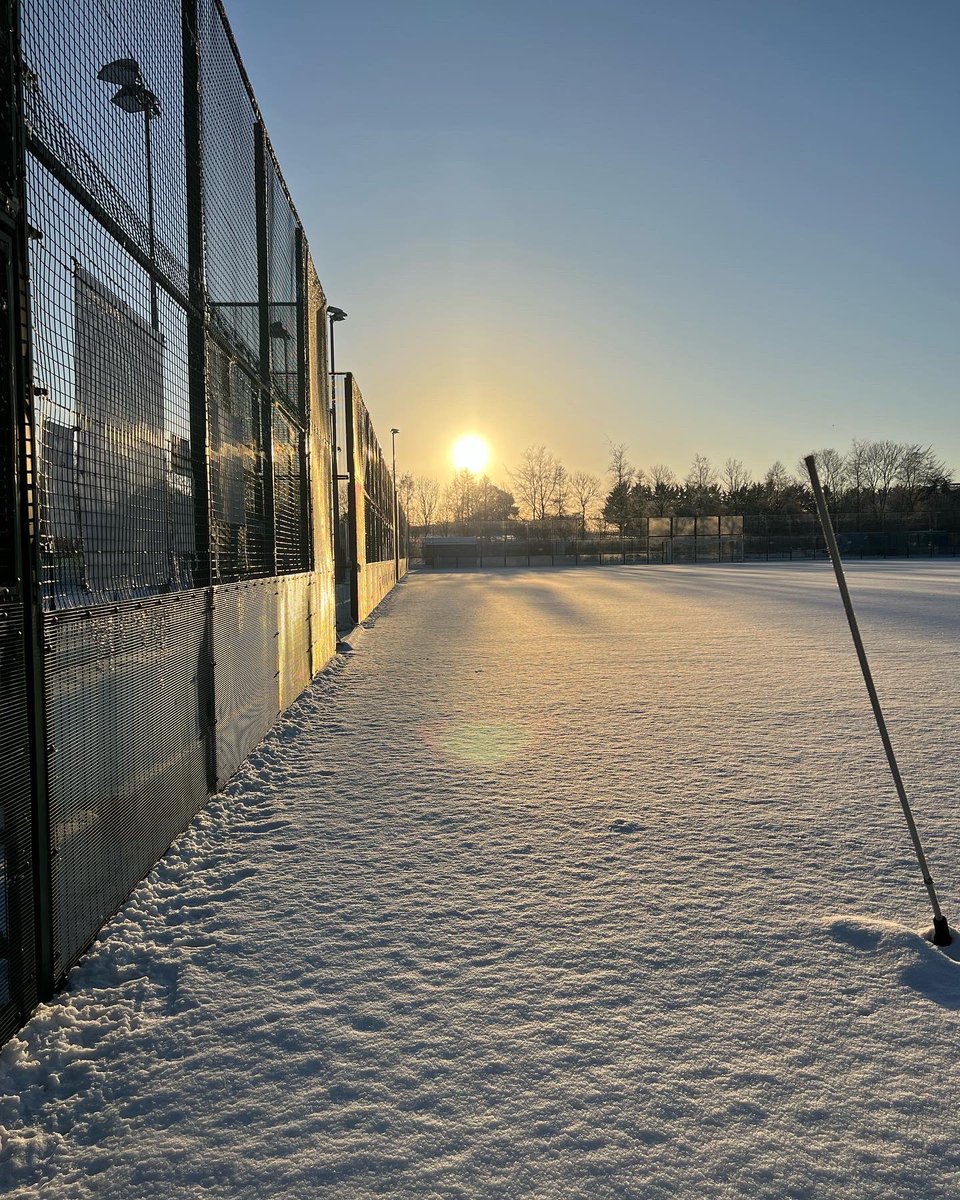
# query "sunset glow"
(471, 453)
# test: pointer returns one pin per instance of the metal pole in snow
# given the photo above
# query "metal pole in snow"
(941, 930)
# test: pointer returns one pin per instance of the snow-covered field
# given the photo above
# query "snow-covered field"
(563, 884)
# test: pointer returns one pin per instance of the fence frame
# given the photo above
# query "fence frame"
(290, 615)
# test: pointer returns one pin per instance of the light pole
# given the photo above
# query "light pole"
(334, 315)
(396, 509)
(135, 97)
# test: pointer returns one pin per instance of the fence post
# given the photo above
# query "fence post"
(266, 384)
(20, 425)
(196, 374)
(306, 508)
(350, 425)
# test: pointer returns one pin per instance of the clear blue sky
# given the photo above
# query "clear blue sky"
(726, 226)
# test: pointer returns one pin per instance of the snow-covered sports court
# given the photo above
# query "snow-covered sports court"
(573, 883)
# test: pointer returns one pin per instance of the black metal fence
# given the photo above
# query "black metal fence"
(650, 540)
(662, 540)
(376, 527)
(166, 463)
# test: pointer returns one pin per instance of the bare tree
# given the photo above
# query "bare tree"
(461, 498)
(426, 499)
(702, 476)
(534, 481)
(734, 480)
(660, 475)
(833, 472)
(620, 469)
(663, 488)
(701, 483)
(586, 490)
(561, 489)
(920, 471)
(777, 483)
(856, 465)
(881, 467)
(405, 488)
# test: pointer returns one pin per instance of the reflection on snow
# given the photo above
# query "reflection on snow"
(481, 742)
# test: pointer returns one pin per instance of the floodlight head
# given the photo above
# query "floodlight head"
(135, 98)
(394, 431)
(336, 314)
(277, 330)
(134, 95)
(124, 72)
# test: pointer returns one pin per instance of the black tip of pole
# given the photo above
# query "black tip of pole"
(941, 932)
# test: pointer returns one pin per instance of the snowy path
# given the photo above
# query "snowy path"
(565, 884)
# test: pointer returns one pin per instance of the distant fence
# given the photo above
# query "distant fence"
(376, 525)
(651, 540)
(167, 553)
(663, 540)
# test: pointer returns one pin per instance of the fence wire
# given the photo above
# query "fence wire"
(115, 480)
(182, 459)
(230, 188)
(240, 543)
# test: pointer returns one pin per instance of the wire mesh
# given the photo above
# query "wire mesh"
(230, 192)
(179, 350)
(118, 139)
(285, 294)
(289, 496)
(377, 486)
(319, 428)
(116, 483)
(240, 543)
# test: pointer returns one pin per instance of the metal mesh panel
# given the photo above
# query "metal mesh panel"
(9, 571)
(239, 538)
(119, 139)
(114, 423)
(230, 203)
(179, 354)
(289, 497)
(323, 621)
(319, 447)
(245, 671)
(127, 768)
(285, 292)
(18, 985)
(294, 641)
(375, 481)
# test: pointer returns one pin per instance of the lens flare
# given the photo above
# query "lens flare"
(470, 453)
(484, 743)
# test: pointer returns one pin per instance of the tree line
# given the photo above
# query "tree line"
(874, 479)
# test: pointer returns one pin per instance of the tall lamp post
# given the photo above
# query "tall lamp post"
(334, 315)
(396, 509)
(135, 97)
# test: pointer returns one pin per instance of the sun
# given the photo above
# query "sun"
(470, 453)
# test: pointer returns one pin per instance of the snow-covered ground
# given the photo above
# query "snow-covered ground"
(574, 883)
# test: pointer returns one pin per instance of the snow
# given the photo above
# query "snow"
(570, 883)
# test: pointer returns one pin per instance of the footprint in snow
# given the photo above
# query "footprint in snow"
(623, 827)
(364, 1023)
